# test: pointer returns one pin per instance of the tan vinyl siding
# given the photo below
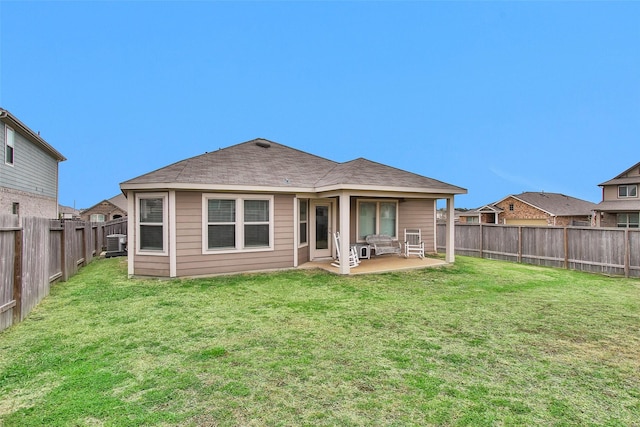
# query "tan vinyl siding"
(418, 213)
(192, 262)
(157, 266)
(610, 192)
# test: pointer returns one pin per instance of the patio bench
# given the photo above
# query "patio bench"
(383, 244)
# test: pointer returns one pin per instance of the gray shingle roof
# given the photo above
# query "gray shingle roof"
(619, 205)
(557, 204)
(623, 178)
(262, 163)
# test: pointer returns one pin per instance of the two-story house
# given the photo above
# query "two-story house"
(620, 205)
(28, 170)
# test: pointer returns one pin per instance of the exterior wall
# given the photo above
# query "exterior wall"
(32, 180)
(192, 262)
(419, 213)
(30, 204)
(106, 208)
(33, 170)
(412, 213)
(521, 211)
(303, 255)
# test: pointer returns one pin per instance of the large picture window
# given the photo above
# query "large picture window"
(629, 220)
(152, 223)
(625, 191)
(377, 217)
(237, 223)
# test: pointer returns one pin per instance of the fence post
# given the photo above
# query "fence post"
(481, 241)
(17, 276)
(627, 252)
(520, 244)
(566, 248)
(63, 252)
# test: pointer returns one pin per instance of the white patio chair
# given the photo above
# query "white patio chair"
(413, 244)
(354, 261)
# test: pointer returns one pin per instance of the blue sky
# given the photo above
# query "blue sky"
(495, 97)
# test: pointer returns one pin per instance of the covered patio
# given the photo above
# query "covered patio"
(379, 264)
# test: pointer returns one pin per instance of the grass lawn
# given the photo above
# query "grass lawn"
(479, 343)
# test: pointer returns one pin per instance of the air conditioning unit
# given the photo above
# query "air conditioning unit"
(116, 245)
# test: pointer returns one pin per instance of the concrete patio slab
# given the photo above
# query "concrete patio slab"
(381, 264)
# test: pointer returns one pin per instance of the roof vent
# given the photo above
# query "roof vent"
(263, 144)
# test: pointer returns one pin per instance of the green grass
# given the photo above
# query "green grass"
(478, 343)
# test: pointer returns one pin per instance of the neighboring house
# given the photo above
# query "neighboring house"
(533, 208)
(620, 205)
(106, 210)
(28, 170)
(441, 215)
(67, 212)
(260, 205)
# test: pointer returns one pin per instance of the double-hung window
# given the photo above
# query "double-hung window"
(152, 223)
(377, 217)
(625, 191)
(303, 215)
(9, 145)
(97, 218)
(237, 223)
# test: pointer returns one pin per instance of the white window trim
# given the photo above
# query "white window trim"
(306, 222)
(12, 145)
(165, 224)
(627, 186)
(377, 202)
(239, 223)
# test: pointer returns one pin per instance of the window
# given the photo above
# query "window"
(9, 143)
(233, 223)
(628, 191)
(511, 207)
(97, 218)
(152, 223)
(303, 208)
(377, 218)
(15, 208)
(629, 220)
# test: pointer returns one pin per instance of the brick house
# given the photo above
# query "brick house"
(106, 210)
(533, 208)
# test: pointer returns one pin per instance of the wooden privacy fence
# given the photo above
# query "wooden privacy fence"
(612, 251)
(38, 252)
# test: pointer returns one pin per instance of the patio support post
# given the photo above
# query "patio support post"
(344, 205)
(450, 238)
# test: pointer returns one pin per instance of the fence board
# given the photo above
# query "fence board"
(612, 251)
(35, 262)
(47, 250)
(8, 226)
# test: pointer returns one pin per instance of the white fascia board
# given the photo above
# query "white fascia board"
(365, 189)
(214, 187)
(418, 192)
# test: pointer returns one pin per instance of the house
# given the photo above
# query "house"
(260, 205)
(106, 210)
(28, 170)
(67, 212)
(533, 208)
(620, 205)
